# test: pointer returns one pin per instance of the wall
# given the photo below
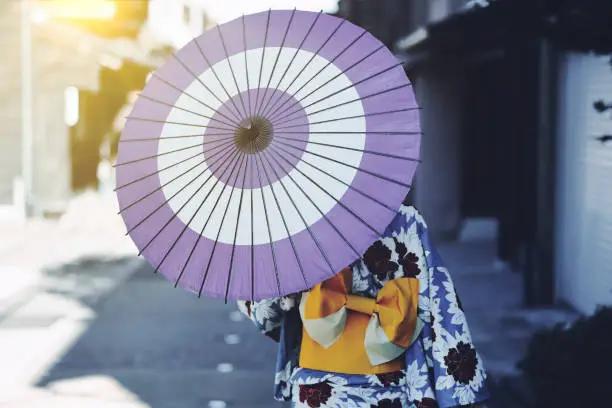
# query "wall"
(438, 180)
(167, 22)
(584, 200)
(55, 67)
(10, 103)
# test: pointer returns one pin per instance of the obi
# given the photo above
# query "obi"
(350, 334)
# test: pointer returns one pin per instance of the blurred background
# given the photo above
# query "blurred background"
(515, 185)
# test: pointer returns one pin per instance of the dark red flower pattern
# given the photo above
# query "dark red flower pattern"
(408, 260)
(389, 379)
(461, 362)
(315, 395)
(387, 403)
(378, 260)
(426, 403)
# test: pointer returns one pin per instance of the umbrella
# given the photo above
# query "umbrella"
(267, 154)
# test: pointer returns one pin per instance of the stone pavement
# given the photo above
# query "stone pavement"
(492, 298)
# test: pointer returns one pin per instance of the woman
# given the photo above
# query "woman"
(430, 360)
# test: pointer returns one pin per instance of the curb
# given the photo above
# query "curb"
(13, 302)
(22, 296)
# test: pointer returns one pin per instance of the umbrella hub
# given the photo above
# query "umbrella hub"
(253, 135)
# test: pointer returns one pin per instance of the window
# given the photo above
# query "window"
(186, 14)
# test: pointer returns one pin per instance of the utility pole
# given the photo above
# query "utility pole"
(27, 135)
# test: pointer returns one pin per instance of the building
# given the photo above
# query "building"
(583, 255)
(75, 64)
(186, 18)
(43, 155)
(517, 139)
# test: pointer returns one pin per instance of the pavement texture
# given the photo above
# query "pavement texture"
(85, 323)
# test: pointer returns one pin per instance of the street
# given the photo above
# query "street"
(150, 345)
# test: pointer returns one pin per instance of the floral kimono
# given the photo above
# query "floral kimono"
(442, 367)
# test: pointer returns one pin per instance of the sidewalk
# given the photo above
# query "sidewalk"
(90, 228)
(53, 272)
(492, 298)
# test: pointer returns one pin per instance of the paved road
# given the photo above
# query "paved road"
(165, 347)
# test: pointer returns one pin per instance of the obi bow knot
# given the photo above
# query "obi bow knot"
(377, 330)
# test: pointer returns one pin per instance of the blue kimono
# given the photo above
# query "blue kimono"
(442, 366)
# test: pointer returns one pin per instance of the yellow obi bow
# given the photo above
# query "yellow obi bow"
(350, 334)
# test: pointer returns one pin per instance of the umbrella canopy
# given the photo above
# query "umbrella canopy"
(267, 155)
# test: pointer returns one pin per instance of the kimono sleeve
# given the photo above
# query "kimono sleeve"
(457, 373)
(268, 314)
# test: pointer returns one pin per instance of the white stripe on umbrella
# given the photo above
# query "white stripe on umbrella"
(320, 198)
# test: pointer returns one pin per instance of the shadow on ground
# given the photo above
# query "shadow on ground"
(153, 345)
(90, 278)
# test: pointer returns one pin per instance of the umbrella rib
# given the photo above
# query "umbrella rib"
(272, 243)
(156, 172)
(167, 200)
(234, 161)
(353, 65)
(252, 238)
(339, 180)
(299, 48)
(185, 110)
(157, 155)
(231, 69)
(312, 57)
(275, 63)
(176, 123)
(170, 166)
(246, 64)
(395, 88)
(392, 156)
(233, 120)
(280, 211)
(127, 207)
(212, 254)
(263, 57)
(380, 176)
(388, 133)
(352, 85)
(186, 226)
(365, 115)
(330, 62)
(197, 78)
(204, 135)
(336, 200)
(312, 202)
(231, 264)
(314, 238)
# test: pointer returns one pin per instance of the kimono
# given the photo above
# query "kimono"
(442, 367)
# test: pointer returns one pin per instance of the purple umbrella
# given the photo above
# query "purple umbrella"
(267, 155)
